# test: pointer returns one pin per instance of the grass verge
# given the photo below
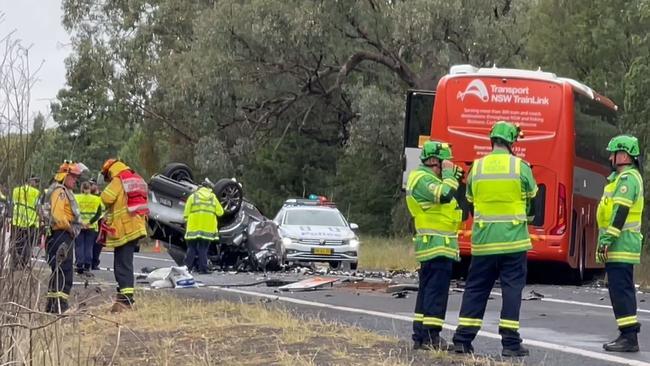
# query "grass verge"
(168, 330)
(383, 253)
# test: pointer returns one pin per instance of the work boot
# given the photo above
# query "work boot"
(463, 348)
(119, 307)
(521, 351)
(56, 306)
(627, 342)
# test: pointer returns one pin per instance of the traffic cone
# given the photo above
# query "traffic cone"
(156, 247)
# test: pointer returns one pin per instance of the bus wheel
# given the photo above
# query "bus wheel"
(580, 272)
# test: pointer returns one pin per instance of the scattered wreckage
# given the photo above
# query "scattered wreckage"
(248, 241)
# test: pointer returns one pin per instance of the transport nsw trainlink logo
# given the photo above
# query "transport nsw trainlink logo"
(501, 94)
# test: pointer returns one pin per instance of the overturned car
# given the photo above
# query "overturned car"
(248, 241)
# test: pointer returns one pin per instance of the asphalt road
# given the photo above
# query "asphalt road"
(566, 327)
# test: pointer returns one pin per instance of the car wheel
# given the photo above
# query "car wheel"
(353, 266)
(335, 265)
(230, 194)
(178, 172)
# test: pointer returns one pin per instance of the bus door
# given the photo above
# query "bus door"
(417, 127)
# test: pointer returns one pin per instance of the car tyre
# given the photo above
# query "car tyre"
(353, 266)
(178, 172)
(230, 194)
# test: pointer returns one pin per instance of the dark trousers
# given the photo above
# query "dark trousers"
(97, 251)
(59, 256)
(24, 240)
(483, 271)
(83, 250)
(197, 248)
(123, 268)
(620, 283)
(431, 303)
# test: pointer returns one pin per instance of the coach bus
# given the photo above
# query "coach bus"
(566, 128)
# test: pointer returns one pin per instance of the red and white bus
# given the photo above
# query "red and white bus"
(566, 128)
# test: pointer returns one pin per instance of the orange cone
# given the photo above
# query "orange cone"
(156, 247)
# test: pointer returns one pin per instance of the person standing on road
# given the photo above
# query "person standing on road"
(501, 187)
(201, 212)
(97, 247)
(64, 221)
(430, 199)
(25, 221)
(125, 199)
(619, 241)
(90, 207)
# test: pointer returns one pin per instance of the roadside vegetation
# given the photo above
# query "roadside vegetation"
(168, 330)
(387, 253)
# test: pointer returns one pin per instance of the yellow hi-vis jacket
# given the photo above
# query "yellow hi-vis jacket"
(25, 200)
(201, 212)
(126, 227)
(89, 204)
(626, 189)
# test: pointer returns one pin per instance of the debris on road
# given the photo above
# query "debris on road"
(533, 295)
(171, 277)
(308, 284)
(400, 294)
(402, 288)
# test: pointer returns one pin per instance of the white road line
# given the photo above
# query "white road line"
(571, 302)
(143, 257)
(534, 343)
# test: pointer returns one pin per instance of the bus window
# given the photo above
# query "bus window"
(595, 125)
(419, 109)
(540, 205)
(417, 127)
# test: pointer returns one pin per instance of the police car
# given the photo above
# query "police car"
(313, 230)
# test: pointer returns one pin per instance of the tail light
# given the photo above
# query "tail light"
(560, 223)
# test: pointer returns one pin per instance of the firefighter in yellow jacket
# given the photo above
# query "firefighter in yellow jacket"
(125, 200)
(64, 221)
(201, 212)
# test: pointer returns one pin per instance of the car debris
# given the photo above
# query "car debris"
(400, 294)
(533, 295)
(171, 277)
(308, 284)
(402, 287)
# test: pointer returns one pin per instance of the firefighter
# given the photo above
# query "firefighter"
(501, 187)
(64, 222)
(201, 212)
(25, 220)
(619, 240)
(90, 207)
(430, 199)
(125, 200)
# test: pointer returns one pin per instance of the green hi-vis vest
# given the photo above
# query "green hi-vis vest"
(25, 200)
(88, 206)
(436, 224)
(627, 247)
(202, 214)
(499, 198)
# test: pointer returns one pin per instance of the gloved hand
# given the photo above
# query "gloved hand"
(458, 172)
(601, 253)
(450, 170)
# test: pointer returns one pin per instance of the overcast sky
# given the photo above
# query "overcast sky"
(38, 23)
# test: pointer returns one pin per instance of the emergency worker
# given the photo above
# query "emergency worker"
(201, 212)
(619, 240)
(25, 220)
(90, 207)
(64, 221)
(501, 187)
(430, 199)
(125, 200)
(97, 247)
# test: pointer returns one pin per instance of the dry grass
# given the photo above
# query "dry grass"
(168, 330)
(381, 253)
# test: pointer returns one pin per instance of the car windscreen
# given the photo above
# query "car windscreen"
(313, 217)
